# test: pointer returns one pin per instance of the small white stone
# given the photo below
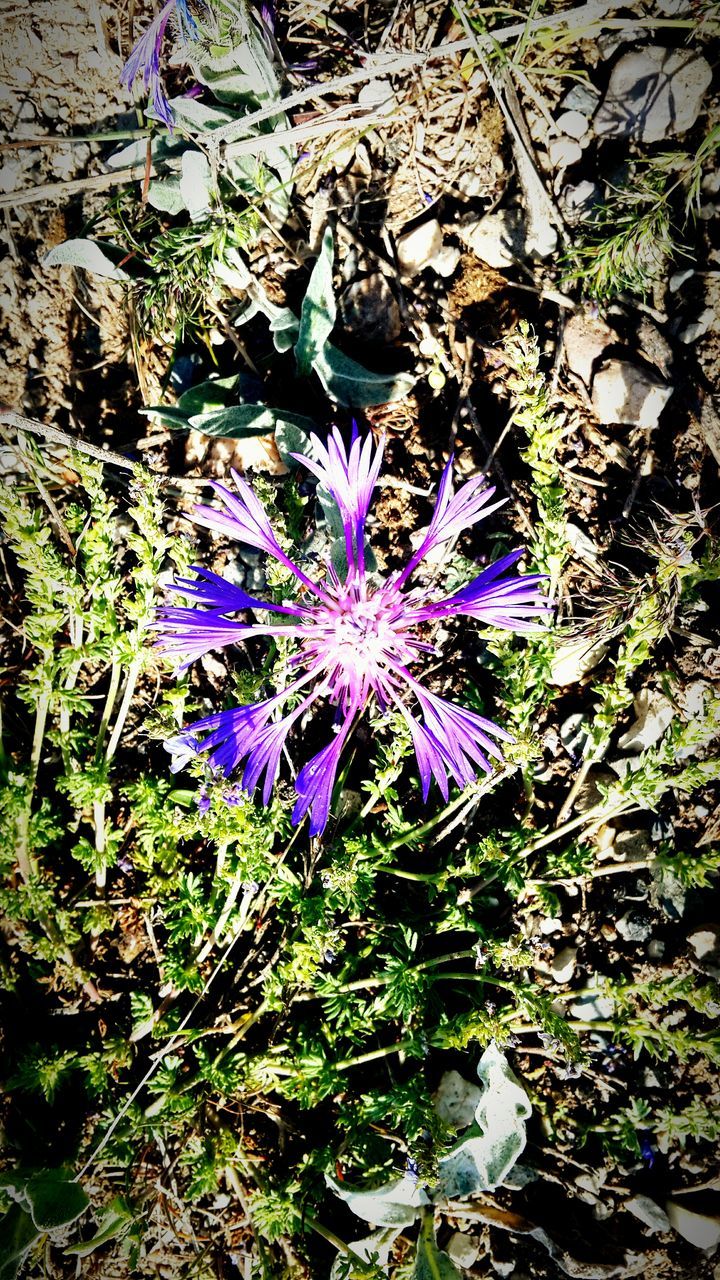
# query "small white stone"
(679, 278)
(592, 1008)
(497, 238)
(585, 338)
(655, 949)
(573, 123)
(583, 545)
(649, 1213)
(564, 152)
(654, 713)
(462, 1250)
(705, 941)
(632, 928)
(445, 261)
(627, 394)
(418, 247)
(698, 328)
(574, 659)
(550, 925)
(653, 92)
(562, 966)
(700, 1230)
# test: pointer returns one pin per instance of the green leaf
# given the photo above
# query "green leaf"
(236, 422)
(430, 1263)
(101, 258)
(484, 1158)
(244, 419)
(354, 386)
(196, 185)
(291, 436)
(116, 1221)
(54, 1199)
(165, 195)
(396, 1204)
(319, 310)
(17, 1234)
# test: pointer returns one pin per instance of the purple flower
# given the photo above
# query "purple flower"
(144, 58)
(355, 639)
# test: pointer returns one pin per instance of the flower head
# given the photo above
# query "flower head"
(144, 58)
(356, 640)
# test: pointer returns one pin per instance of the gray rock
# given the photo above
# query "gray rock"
(698, 328)
(583, 98)
(578, 201)
(585, 339)
(564, 152)
(627, 394)
(574, 124)
(634, 927)
(653, 92)
(562, 966)
(463, 1251)
(574, 733)
(653, 712)
(498, 238)
(592, 1008)
(417, 248)
(700, 1230)
(649, 1213)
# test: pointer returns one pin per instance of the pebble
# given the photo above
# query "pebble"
(654, 713)
(578, 201)
(653, 92)
(679, 278)
(574, 659)
(697, 1228)
(574, 733)
(499, 238)
(574, 124)
(698, 328)
(585, 340)
(649, 1213)
(627, 394)
(583, 545)
(416, 249)
(550, 925)
(462, 1250)
(562, 966)
(655, 949)
(630, 846)
(634, 927)
(592, 1008)
(564, 152)
(581, 99)
(705, 941)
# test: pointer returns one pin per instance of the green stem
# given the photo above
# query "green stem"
(25, 858)
(110, 697)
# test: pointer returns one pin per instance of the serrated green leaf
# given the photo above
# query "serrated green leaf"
(55, 1200)
(319, 309)
(100, 258)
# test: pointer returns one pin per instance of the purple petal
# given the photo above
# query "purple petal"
(223, 595)
(514, 604)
